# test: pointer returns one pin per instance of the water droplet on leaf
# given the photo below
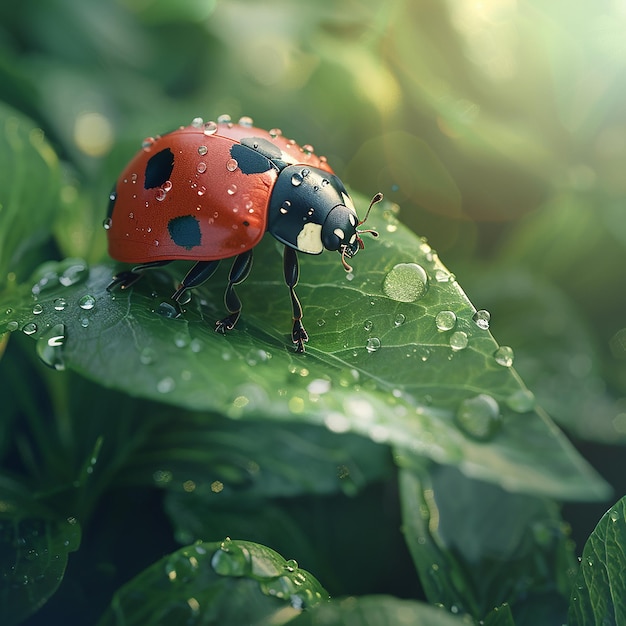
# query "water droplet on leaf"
(458, 340)
(521, 401)
(166, 385)
(147, 356)
(30, 328)
(406, 282)
(372, 344)
(166, 309)
(445, 320)
(504, 356)
(231, 559)
(479, 417)
(87, 302)
(60, 304)
(50, 347)
(481, 319)
(399, 319)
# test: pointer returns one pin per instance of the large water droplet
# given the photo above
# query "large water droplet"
(504, 356)
(296, 179)
(406, 282)
(37, 309)
(479, 417)
(50, 347)
(481, 319)
(445, 320)
(210, 128)
(245, 121)
(197, 122)
(224, 118)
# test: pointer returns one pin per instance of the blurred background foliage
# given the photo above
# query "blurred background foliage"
(497, 126)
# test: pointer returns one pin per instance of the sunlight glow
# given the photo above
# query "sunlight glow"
(488, 27)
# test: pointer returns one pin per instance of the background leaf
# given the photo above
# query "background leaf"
(33, 557)
(599, 592)
(232, 582)
(29, 189)
(467, 537)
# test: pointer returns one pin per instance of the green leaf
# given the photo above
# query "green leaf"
(376, 611)
(29, 188)
(500, 616)
(33, 556)
(232, 582)
(476, 546)
(599, 593)
(377, 362)
(255, 460)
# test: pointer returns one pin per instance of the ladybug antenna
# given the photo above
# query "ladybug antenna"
(375, 200)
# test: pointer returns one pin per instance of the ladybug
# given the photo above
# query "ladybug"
(210, 191)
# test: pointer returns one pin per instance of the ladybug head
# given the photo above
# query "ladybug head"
(310, 210)
(341, 229)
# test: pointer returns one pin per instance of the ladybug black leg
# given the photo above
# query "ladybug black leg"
(238, 273)
(128, 278)
(292, 272)
(198, 274)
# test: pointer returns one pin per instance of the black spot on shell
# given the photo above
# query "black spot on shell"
(185, 231)
(263, 146)
(250, 161)
(159, 169)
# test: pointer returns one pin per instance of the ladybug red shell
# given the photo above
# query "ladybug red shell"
(210, 191)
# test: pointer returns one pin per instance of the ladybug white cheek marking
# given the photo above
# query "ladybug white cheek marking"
(339, 233)
(310, 239)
